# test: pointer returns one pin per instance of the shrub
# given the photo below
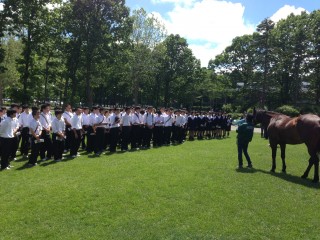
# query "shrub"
(288, 110)
(227, 108)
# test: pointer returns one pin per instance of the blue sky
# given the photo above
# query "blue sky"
(210, 25)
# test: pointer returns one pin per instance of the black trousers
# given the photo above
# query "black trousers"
(58, 147)
(90, 139)
(136, 136)
(6, 150)
(75, 142)
(99, 140)
(25, 141)
(35, 150)
(15, 146)
(158, 136)
(114, 138)
(46, 146)
(147, 136)
(106, 138)
(243, 148)
(84, 136)
(167, 134)
(67, 144)
(178, 134)
(125, 137)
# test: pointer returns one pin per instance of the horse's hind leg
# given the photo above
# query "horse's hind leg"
(283, 157)
(306, 173)
(274, 154)
(316, 168)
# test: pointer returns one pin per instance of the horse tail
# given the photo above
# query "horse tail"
(318, 144)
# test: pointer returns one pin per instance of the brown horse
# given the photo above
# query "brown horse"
(284, 130)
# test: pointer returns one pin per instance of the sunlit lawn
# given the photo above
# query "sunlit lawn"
(190, 191)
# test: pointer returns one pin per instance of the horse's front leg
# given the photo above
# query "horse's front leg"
(274, 154)
(316, 168)
(283, 157)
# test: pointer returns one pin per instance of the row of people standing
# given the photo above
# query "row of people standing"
(49, 135)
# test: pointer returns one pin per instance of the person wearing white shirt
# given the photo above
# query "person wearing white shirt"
(114, 129)
(35, 129)
(100, 132)
(125, 125)
(7, 134)
(168, 121)
(85, 125)
(179, 123)
(91, 129)
(136, 130)
(76, 126)
(106, 125)
(24, 124)
(45, 120)
(148, 120)
(58, 135)
(158, 130)
(67, 115)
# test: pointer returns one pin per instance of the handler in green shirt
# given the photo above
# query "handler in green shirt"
(245, 134)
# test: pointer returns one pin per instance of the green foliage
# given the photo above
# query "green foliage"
(227, 108)
(288, 110)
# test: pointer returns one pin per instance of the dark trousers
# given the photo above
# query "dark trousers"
(35, 150)
(84, 136)
(75, 142)
(58, 147)
(135, 136)
(179, 131)
(158, 136)
(25, 141)
(46, 146)
(243, 148)
(99, 140)
(114, 138)
(147, 136)
(67, 143)
(6, 150)
(90, 139)
(15, 146)
(125, 137)
(106, 139)
(167, 135)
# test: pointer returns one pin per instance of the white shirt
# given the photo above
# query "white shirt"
(148, 119)
(113, 119)
(67, 115)
(76, 122)
(179, 121)
(159, 121)
(58, 126)
(125, 120)
(16, 124)
(7, 128)
(24, 119)
(35, 126)
(136, 118)
(45, 120)
(92, 119)
(99, 119)
(85, 119)
(168, 120)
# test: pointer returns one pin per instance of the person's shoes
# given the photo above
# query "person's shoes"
(43, 160)
(240, 167)
(7, 168)
(10, 166)
(250, 166)
(32, 164)
(58, 160)
(14, 159)
(74, 156)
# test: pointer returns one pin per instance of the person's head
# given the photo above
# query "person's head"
(95, 109)
(137, 109)
(249, 118)
(85, 110)
(11, 113)
(68, 107)
(78, 111)
(36, 114)
(58, 113)
(45, 108)
(14, 106)
(127, 110)
(25, 108)
(149, 109)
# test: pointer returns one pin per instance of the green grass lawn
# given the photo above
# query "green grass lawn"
(190, 191)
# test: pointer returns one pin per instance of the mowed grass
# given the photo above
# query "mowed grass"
(190, 191)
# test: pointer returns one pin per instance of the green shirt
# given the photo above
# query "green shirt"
(245, 132)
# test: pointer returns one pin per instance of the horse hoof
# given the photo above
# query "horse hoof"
(272, 170)
(315, 180)
(304, 176)
(284, 171)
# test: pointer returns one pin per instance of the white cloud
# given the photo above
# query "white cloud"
(176, 2)
(213, 23)
(285, 11)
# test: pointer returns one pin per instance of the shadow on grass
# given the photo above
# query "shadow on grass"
(293, 179)
(246, 170)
